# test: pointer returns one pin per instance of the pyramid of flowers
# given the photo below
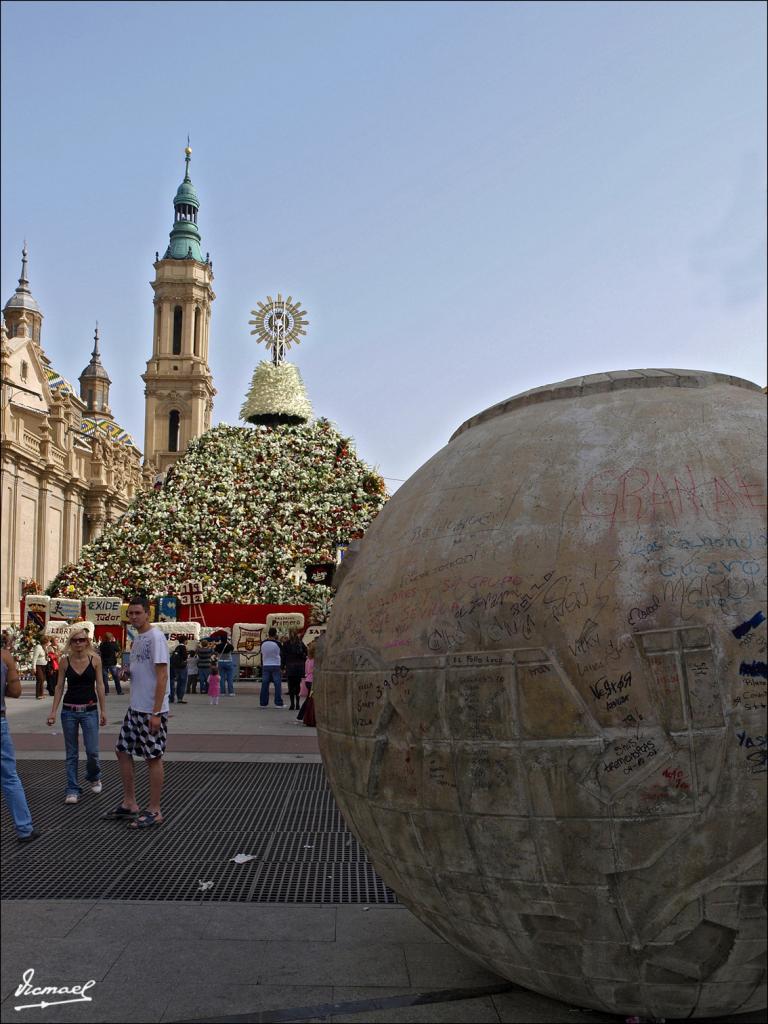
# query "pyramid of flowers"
(242, 512)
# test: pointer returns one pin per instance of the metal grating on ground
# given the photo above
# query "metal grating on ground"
(320, 883)
(283, 815)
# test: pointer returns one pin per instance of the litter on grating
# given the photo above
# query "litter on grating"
(283, 816)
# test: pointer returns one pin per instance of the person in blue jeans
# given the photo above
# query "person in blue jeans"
(13, 790)
(109, 652)
(179, 659)
(83, 706)
(225, 652)
(271, 669)
(204, 654)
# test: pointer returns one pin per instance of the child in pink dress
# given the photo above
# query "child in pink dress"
(214, 683)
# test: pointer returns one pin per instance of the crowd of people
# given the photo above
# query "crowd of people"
(78, 676)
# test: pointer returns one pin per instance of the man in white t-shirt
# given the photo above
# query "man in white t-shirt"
(271, 658)
(145, 728)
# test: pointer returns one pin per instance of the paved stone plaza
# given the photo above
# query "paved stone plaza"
(319, 947)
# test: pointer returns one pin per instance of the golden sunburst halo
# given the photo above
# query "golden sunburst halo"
(279, 323)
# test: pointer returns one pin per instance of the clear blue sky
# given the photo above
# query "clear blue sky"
(468, 199)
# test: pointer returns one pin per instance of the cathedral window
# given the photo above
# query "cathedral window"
(159, 317)
(197, 331)
(174, 418)
(24, 369)
(177, 316)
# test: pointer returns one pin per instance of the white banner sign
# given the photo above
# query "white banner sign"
(103, 611)
(191, 592)
(66, 608)
(283, 621)
(89, 628)
(208, 631)
(312, 633)
(246, 639)
(36, 610)
(58, 629)
(175, 631)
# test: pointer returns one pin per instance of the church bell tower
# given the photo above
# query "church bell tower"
(179, 387)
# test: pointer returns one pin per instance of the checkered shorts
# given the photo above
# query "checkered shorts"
(135, 737)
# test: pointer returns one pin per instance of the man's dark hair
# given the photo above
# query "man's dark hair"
(139, 599)
(272, 631)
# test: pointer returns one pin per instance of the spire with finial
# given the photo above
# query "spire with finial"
(24, 280)
(94, 381)
(94, 369)
(185, 235)
(22, 297)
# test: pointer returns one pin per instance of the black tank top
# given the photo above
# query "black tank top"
(81, 686)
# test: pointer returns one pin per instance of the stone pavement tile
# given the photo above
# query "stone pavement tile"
(52, 918)
(433, 966)
(56, 961)
(350, 993)
(151, 956)
(193, 997)
(330, 963)
(381, 924)
(259, 921)
(169, 922)
(248, 962)
(458, 1011)
(525, 1007)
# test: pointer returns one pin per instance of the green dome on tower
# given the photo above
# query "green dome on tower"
(185, 235)
(186, 194)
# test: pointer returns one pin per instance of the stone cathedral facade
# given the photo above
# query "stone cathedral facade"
(68, 468)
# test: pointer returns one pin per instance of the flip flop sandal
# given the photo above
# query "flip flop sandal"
(147, 819)
(120, 813)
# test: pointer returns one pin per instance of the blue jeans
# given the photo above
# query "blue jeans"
(89, 723)
(227, 673)
(202, 675)
(114, 671)
(271, 674)
(178, 683)
(13, 791)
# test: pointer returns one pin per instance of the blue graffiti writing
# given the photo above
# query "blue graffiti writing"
(757, 669)
(745, 627)
(745, 740)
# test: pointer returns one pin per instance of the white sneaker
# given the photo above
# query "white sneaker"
(71, 798)
(96, 787)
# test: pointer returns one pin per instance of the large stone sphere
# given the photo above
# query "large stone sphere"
(541, 695)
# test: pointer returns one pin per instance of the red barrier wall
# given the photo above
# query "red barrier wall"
(229, 614)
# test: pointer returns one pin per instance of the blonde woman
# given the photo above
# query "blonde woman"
(83, 706)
